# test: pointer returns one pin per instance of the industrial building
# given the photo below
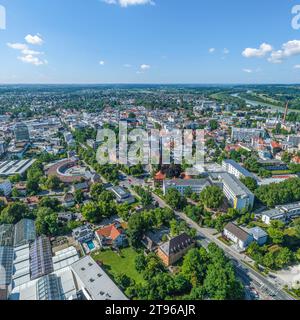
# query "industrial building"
(11, 168)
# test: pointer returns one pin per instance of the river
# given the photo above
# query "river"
(267, 105)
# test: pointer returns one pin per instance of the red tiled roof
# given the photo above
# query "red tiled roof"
(296, 160)
(231, 147)
(160, 176)
(110, 231)
(275, 144)
(32, 200)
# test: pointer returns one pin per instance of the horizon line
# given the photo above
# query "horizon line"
(150, 83)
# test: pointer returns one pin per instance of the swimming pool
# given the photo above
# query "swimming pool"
(91, 245)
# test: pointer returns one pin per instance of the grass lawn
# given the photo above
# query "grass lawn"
(116, 264)
(281, 172)
(261, 224)
(225, 241)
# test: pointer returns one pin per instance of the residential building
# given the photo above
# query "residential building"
(68, 200)
(181, 185)
(83, 233)
(173, 250)
(237, 235)
(246, 134)
(236, 169)
(111, 235)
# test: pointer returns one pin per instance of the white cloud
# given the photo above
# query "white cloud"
(145, 67)
(35, 40)
(17, 46)
(127, 3)
(32, 52)
(127, 65)
(248, 70)
(102, 63)
(211, 50)
(28, 55)
(289, 49)
(297, 66)
(226, 51)
(32, 60)
(257, 53)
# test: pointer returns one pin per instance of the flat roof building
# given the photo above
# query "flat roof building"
(237, 194)
(122, 195)
(282, 213)
(236, 169)
(94, 282)
(181, 185)
(259, 235)
(247, 134)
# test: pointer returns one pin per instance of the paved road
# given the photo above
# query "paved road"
(205, 236)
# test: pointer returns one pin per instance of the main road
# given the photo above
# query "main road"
(205, 236)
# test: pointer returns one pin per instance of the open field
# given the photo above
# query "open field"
(116, 264)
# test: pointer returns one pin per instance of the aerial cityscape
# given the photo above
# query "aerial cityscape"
(123, 180)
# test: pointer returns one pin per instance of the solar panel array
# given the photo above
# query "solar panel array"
(41, 262)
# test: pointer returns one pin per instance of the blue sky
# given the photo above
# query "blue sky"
(144, 41)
